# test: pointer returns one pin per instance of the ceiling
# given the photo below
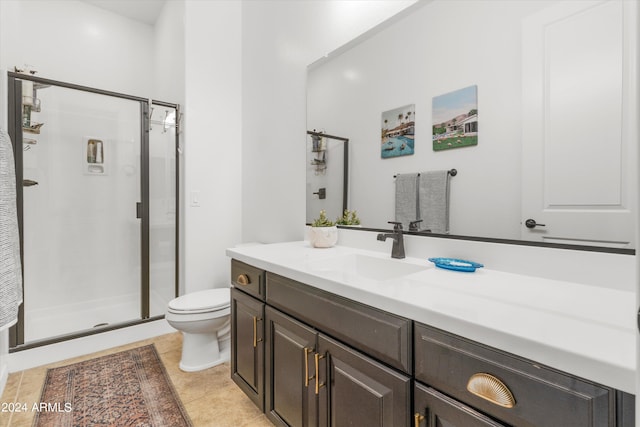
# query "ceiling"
(146, 11)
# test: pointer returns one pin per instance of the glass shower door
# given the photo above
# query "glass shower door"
(81, 231)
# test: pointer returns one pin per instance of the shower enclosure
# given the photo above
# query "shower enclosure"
(97, 178)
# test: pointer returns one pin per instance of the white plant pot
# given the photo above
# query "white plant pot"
(323, 237)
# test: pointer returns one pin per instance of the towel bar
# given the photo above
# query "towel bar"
(452, 172)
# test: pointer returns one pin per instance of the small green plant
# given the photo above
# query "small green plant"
(348, 218)
(322, 221)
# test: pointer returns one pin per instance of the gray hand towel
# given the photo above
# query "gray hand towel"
(433, 196)
(10, 267)
(406, 198)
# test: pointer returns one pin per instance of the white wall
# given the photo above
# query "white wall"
(169, 50)
(72, 41)
(212, 145)
(279, 40)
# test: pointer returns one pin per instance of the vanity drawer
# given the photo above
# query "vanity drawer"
(247, 278)
(382, 335)
(542, 396)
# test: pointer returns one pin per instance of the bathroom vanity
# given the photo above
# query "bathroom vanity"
(344, 336)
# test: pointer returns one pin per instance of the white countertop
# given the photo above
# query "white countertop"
(587, 331)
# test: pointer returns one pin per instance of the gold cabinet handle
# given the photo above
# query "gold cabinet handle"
(255, 331)
(306, 366)
(317, 357)
(417, 418)
(492, 389)
(243, 279)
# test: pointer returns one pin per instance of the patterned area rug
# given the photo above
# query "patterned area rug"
(130, 388)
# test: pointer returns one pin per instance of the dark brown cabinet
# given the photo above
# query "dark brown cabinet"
(313, 380)
(310, 358)
(247, 345)
(434, 409)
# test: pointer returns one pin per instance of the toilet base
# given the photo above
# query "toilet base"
(202, 351)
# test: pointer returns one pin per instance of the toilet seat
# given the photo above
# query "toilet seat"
(201, 302)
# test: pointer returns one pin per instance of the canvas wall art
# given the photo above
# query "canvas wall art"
(398, 130)
(455, 119)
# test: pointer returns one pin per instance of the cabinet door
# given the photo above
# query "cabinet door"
(247, 345)
(434, 409)
(359, 391)
(290, 346)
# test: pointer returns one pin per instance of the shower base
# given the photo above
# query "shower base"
(70, 318)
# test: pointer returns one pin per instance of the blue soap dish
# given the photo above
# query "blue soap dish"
(456, 264)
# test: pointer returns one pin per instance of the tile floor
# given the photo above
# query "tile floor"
(209, 396)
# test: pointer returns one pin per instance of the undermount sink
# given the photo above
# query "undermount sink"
(367, 267)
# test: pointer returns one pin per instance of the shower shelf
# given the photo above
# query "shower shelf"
(33, 128)
(31, 99)
(29, 141)
(32, 102)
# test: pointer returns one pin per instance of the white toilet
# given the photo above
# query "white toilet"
(204, 319)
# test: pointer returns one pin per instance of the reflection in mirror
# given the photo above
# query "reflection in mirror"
(554, 120)
(327, 175)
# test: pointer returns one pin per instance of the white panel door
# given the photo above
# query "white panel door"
(579, 124)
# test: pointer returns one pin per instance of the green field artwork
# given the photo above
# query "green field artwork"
(455, 119)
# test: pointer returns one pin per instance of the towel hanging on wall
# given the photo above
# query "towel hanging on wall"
(406, 198)
(10, 264)
(433, 204)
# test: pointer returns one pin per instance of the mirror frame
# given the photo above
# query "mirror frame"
(604, 249)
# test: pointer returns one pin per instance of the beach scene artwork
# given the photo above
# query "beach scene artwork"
(398, 130)
(455, 119)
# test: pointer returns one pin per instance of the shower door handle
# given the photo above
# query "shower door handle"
(139, 210)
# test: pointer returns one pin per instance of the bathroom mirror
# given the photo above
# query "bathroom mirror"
(547, 75)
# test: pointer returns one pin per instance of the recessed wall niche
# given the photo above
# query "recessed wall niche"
(95, 152)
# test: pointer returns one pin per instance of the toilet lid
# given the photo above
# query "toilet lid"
(208, 300)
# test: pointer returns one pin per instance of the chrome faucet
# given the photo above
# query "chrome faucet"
(397, 250)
